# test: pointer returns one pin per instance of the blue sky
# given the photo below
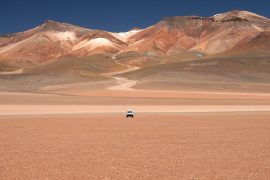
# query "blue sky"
(113, 15)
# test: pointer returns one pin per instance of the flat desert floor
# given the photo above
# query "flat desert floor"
(174, 135)
(151, 146)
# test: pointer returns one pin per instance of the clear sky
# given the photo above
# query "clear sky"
(113, 15)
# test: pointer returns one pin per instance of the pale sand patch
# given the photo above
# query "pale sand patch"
(123, 84)
(123, 71)
(104, 109)
(18, 71)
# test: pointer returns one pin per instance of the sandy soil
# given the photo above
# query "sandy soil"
(77, 132)
(18, 71)
(175, 146)
(106, 97)
(123, 84)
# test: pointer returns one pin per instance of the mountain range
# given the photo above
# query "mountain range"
(66, 48)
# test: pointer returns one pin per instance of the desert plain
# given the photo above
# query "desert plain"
(175, 134)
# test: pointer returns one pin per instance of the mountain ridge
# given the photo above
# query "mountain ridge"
(194, 35)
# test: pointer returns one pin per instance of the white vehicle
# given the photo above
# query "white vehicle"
(129, 114)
